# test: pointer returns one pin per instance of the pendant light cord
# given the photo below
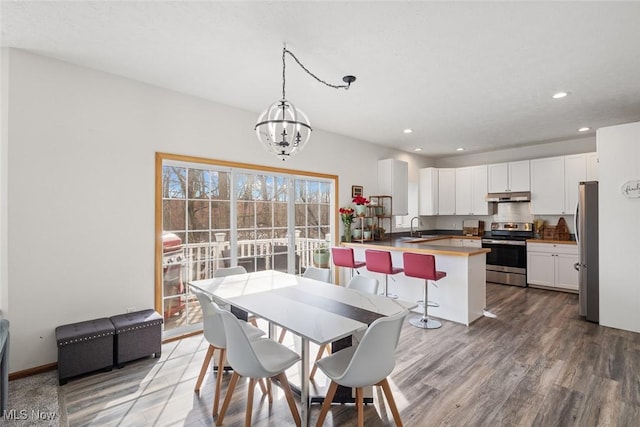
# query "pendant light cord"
(284, 52)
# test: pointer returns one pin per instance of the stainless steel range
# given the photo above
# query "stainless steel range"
(507, 261)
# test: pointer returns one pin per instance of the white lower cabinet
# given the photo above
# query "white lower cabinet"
(458, 242)
(552, 265)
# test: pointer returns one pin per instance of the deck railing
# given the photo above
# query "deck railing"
(201, 259)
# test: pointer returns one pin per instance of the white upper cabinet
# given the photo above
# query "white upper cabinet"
(447, 191)
(508, 177)
(428, 191)
(592, 167)
(393, 180)
(554, 184)
(575, 171)
(547, 186)
(471, 191)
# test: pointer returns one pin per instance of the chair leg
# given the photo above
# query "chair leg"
(392, 403)
(227, 398)
(205, 366)
(318, 357)
(327, 403)
(284, 383)
(253, 321)
(265, 388)
(360, 406)
(216, 396)
(247, 417)
(269, 390)
(283, 332)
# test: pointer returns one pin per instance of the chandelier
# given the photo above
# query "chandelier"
(284, 129)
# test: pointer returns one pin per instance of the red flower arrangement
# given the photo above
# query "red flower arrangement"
(347, 215)
(360, 200)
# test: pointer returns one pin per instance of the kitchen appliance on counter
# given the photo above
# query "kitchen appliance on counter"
(587, 238)
(507, 261)
(472, 227)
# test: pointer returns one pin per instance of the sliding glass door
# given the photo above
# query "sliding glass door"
(215, 215)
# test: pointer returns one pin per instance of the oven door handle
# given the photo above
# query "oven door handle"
(505, 242)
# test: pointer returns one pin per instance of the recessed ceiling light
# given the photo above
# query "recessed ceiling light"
(560, 95)
(584, 129)
(417, 149)
(408, 131)
(460, 149)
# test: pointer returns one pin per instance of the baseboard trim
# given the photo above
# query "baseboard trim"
(33, 371)
(53, 366)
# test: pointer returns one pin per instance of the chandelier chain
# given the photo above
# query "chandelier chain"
(284, 52)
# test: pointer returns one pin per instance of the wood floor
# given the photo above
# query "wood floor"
(537, 363)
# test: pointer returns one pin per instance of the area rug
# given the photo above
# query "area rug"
(33, 401)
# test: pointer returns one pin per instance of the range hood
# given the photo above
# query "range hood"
(516, 196)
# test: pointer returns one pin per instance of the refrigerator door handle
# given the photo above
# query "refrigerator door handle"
(575, 222)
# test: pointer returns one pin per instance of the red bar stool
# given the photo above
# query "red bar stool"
(343, 257)
(423, 266)
(380, 262)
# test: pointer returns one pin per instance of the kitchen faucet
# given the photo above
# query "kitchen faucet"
(411, 224)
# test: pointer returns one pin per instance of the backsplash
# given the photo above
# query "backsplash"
(513, 212)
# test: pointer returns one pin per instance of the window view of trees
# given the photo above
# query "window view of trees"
(216, 216)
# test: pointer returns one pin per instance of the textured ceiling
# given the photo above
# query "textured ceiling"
(478, 75)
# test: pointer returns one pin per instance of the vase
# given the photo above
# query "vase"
(366, 234)
(321, 258)
(361, 210)
(347, 232)
(357, 233)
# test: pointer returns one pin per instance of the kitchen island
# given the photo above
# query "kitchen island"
(461, 295)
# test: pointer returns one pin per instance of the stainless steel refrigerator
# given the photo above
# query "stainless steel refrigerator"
(587, 238)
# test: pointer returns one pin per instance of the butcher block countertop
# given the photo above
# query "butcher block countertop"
(562, 242)
(419, 245)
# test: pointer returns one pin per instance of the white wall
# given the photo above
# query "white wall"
(619, 219)
(81, 150)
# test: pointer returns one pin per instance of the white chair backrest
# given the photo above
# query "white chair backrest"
(240, 353)
(212, 322)
(364, 284)
(374, 358)
(321, 274)
(229, 271)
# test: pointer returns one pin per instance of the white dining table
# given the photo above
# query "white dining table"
(314, 310)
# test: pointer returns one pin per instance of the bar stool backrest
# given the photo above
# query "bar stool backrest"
(343, 257)
(422, 266)
(378, 261)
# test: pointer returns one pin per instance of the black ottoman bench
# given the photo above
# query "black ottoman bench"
(138, 334)
(84, 347)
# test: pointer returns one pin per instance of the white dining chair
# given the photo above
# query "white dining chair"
(257, 359)
(367, 364)
(229, 271)
(232, 271)
(364, 284)
(213, 330)
(360, 283)
(320, 274)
